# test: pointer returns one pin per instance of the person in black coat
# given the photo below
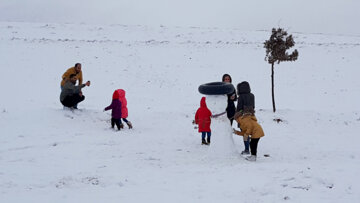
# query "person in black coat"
(245, 100)
(230, 109)
(245, 97)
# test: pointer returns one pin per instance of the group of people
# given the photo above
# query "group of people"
(71, 95)
(244, 114)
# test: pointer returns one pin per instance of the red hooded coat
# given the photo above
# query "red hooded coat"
(116, 95)
(202, 117)
(124, 110)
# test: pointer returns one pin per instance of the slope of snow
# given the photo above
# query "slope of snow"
(50, 154)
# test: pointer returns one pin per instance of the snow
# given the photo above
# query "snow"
(335, 16)
(49, 154)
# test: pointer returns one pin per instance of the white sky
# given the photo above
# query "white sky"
(329, 16)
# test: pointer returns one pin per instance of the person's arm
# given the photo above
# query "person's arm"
(83, 85)
(197, 117)
(80, 78)
(253, 101)
(77, 88)
(67, 74)
(111, 106)
(239, 104)
(107, 108)
(240, 133)
(233, 96)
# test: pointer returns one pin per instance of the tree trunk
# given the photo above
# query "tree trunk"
(272, 87)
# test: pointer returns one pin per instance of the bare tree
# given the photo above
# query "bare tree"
(276, 48)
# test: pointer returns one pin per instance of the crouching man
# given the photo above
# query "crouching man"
(71, 94)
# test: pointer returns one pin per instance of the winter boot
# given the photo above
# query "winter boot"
(251, 158)
(245, 152)
(203, 142)
(121, 125)
(129, 124)
(208, 140)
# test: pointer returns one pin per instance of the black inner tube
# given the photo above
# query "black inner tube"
(216, 88)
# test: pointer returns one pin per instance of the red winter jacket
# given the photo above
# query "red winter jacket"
(202, 117)
(124, 110)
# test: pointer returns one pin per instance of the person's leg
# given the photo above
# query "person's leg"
(208, 137)
(253, 145)
(203, 135)
(246, 144)
(253, 148)
(117, 122)
(112, 122)
(121, 124)
(67, 102)
(78, 99)
(61, 88)
(128, 123)
(75, 106)
(71, 101)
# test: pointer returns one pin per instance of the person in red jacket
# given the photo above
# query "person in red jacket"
(203, 119)
(124, 109)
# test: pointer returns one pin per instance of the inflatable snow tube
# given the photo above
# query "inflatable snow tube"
(216, 88)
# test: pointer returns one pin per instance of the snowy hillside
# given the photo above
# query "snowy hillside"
(48, 154)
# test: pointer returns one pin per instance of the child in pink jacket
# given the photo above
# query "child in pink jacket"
(124, 109)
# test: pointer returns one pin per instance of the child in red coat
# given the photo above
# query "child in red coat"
(203, 119)
(119, 109)
(124, 109)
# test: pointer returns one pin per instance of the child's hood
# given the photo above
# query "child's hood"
(116, 95)
(202, 102)
(243, 88)
(121, 93)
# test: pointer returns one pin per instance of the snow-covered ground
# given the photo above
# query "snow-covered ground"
(48, 154)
